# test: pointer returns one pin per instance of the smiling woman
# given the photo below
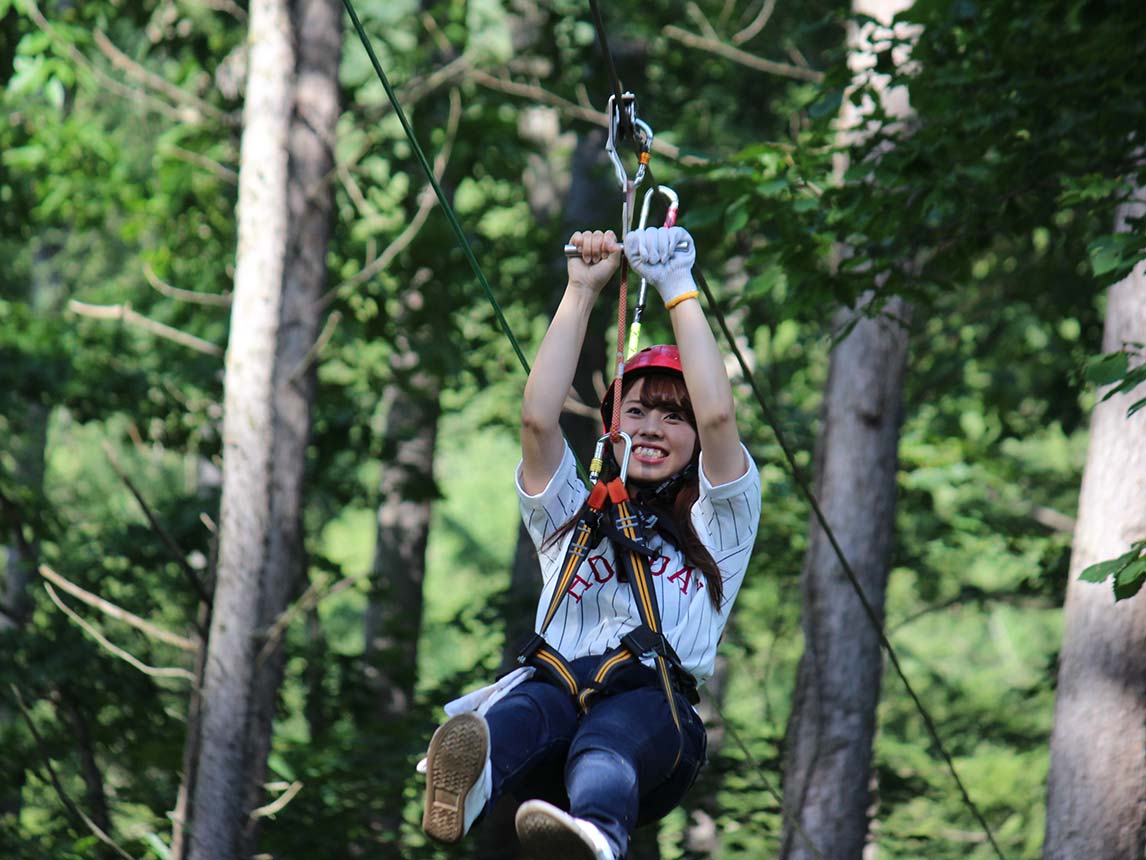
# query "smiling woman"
(596, 731)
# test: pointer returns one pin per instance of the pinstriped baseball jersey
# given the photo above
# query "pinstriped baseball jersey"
(598, 610)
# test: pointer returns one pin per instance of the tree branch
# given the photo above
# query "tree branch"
(316, 348)
(160, 84)
(231, 177)
(192, 296)
(228, 6)
(572, 109)
(126, 314)
(425, 206)
(308, 600)
(751, 61)
(112, 611)
(115, 650)
(80, 59)
(757, 24)
(60, 793)
(279, 803)
(173, 548)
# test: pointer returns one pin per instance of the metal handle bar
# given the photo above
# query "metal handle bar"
(574, 251)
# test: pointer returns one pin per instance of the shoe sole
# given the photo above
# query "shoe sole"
(454, 764)
(544, 837)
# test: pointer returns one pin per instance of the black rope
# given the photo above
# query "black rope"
(869, 610)
(610, 68)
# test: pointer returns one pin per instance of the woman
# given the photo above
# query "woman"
(623, 755)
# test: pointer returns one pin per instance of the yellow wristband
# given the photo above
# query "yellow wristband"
(683, 297)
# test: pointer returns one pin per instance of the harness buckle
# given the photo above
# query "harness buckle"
(529, 647)
(643, 642)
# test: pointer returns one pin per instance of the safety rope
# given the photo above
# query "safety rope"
(622, 318)
(797, 474)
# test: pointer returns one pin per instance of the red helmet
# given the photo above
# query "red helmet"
(660, 358)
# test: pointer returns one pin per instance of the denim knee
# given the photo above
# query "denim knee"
(531, 725)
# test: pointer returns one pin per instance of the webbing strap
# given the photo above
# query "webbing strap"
(578, 550)
(641, 583)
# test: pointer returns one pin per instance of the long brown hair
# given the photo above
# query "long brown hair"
(667, 391)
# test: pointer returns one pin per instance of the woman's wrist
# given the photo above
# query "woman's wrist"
(583, 294)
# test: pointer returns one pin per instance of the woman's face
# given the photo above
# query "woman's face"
(664, 440)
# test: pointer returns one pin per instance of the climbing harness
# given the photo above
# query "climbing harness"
(610, 513)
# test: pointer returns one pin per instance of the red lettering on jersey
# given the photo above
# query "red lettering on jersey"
(684, 576)
(658, 567)
(577, 580)
(594, 562)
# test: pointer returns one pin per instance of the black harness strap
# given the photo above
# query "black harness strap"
(625, 528)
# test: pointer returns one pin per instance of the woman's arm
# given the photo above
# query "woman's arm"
(654, 255)
(710, 393)
(551, 377)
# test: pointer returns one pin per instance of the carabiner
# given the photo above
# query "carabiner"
(598, 461)
(670, 220)
(643, 135)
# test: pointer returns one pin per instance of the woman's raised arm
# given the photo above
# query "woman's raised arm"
(551, 377)
(655, 255)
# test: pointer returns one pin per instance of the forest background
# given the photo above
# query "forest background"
(997, 212)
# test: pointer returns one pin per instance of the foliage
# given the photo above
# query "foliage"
(1004, 193)
(1126, 573)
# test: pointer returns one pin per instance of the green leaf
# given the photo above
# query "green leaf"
(1108, 253)
(1130, 579)
(1105, 369)
(829, 105)
(1099, 572)
(1134, 407)
(1130, 381)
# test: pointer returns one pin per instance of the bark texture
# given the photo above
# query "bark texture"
(829, 739)
(1096, 799)
(317, 28)
(218, 812)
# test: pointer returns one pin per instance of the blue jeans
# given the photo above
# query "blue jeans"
(612, 766)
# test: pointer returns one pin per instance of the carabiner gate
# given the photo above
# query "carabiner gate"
(598, 457)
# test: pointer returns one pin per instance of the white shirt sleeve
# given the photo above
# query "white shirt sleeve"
(726, 517)
(550, 509)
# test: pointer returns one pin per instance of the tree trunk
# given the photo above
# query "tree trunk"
(829, 737)
(828, 743)
(19, 564)
(218, 812)
(406, 488)
(1096, 788)
(317, 28)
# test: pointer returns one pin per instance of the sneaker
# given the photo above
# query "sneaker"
(549, 833)
(457, 777)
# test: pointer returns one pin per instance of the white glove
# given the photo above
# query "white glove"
(654, 255)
